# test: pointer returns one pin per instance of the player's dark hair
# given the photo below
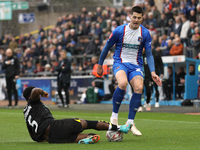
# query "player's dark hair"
(27, 92)
(137, 9)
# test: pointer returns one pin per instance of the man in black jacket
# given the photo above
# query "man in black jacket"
(64, 77)
(11, 64)
(148, 82)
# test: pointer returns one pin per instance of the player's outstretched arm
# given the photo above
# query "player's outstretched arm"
(37, 92)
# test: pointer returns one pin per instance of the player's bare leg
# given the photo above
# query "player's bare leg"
(137, 84)
(118, 95)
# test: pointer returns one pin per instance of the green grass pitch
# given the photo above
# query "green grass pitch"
(161, 131)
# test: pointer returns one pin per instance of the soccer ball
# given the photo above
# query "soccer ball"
(114, 136)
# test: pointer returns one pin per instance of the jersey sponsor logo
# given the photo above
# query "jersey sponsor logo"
(131, 46)
(110, 35)
(140, 39)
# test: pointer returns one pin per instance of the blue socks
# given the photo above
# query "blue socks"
(134, 105)
(117, 99)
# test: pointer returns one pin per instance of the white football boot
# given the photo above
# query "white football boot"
(114, 120)
(135, 131)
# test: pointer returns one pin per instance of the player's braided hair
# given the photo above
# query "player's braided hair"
(27, 92)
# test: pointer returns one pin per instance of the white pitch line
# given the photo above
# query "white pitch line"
(71, 116)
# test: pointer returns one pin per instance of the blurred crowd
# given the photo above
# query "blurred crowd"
(174, 28)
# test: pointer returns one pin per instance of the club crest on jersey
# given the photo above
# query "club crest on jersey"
(140, 39)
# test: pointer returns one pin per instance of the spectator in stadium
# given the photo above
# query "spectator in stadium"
(175, 6)
(39, 68)
(152, 30)
(151, 19)
(113, 25)
(23, 68)
(45, 56)
(98, 32)
(177, 48)
(54, 63)
(73, 35)
(177, 26)
(166, 51)
(28, 54)
(40, 29)
(13, 44)
(168, 14)
(108, 25)
(196, 30)
(170, 27)
(191, 31)
(172, 35)
(156, 14)
(168, 84)
(163, 23)
(184, 30)
(196, 45)
(12, 66)
(191, 69)
(183, 8)
(60, 131)
(155, 42)
(59, 22)
(145, 21)
(122, 72)
(181, 81)
(192, 16)
(87, 27)
(89, 47)
(30, 67)
(50, 35)
(38, 52)
(53, 52)
(63, 78)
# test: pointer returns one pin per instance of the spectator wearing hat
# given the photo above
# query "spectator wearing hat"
(177, 48)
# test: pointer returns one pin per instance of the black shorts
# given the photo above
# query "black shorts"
(64, 131)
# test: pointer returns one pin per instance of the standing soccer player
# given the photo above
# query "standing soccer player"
(129, 40)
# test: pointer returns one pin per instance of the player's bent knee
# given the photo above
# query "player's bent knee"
(122, 85)
(138, 89)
